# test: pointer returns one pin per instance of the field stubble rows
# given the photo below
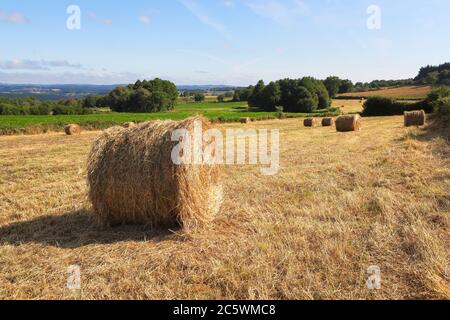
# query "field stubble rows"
(341, 203)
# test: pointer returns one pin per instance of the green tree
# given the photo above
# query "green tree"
(90, 102)
(255, 99)
(143, 96)
(199, 97)
(332, 84)
(270, 97)
(295, 97)
(346, 86)
(318, 90)
(118, 99)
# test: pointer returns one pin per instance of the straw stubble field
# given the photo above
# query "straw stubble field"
(340, 203)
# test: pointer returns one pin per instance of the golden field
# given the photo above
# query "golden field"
(340, 203)
(406, 92)
(348, 106)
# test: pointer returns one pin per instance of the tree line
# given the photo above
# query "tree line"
(434, 75)
(291, 95)
(33, 106)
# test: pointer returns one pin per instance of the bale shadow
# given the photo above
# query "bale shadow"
(77, 229)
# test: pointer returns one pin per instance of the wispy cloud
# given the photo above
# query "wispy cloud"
(281, 13)
(24, 64)
(93, 16)
(87, 77)
(228, 3)
(145, 19)
(202, 15)
(13, 17)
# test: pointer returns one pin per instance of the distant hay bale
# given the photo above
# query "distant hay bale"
(328, 122)
(348, 123)
(245, 120)
(129, 125)
(311, 122)
(415, 118)
(132, 178)
(72, 129)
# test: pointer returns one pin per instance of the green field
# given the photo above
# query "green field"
(227, 111)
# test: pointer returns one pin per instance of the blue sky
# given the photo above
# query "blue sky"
(233, 42)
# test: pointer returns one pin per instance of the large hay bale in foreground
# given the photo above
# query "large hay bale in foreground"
(133, 180)
(415, 118)
(311, 122)
(348, 123)
(328, 122)
(72, 129)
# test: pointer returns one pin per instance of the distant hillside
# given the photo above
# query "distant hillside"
(53, 92)
(61, 91)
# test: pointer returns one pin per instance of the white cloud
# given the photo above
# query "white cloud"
(24, 64)
(281, 13)
(95, 18)
(144, 19)
(204, 17)
(228, 3)
(13, 17)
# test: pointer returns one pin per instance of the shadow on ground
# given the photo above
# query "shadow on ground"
(76, 229)
(432, 133)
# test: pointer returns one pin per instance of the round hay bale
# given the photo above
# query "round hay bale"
(415, 118)
(348, 123)
(72, 129)
(133, 180)
(311, 122)
(245, 120)
(328, 122)
(127, 125)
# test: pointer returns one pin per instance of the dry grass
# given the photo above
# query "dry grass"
(341, 203)
(395, 92)
(348, 106)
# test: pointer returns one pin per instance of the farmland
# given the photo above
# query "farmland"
(228, 112)
(340, 203)
(404, 93)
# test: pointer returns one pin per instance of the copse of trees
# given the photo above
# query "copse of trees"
(336, 86)
(199, 97)
(143, 96)
(33, 106)
(242, 94)
(293, 95)
(434, 75)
